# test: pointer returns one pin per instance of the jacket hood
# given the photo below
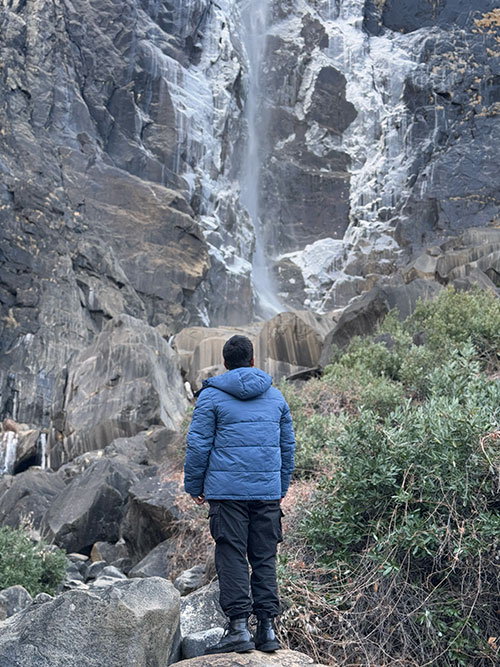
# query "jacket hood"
(243, 383)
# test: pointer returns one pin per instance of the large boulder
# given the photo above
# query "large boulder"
(128, 623)
(91, 507)
(201, 611)
(281, 658)
(126, 381)
(291, 342)
(151, 517)
(27, 496)
(200, 349)
(157, 561)
(286, 344)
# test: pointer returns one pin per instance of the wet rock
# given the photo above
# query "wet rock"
(91, 507)
(12, 600)
(27, 449)
(138, 622)
(27, 496)
(151, 517)
(290, 343)
(409, 15)
(127, 380)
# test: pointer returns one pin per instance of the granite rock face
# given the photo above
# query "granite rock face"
(127, 380)
(163, 163)
(138, 622)
(91, 507)
(28, 495)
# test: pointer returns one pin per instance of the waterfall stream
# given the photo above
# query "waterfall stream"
(255, 17)
(8, 450)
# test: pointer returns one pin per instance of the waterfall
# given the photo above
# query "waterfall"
(42, 450)
(8, 450)
(254, 34)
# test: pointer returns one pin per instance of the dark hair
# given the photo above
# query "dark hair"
(237, 352)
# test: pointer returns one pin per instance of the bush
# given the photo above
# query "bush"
(412, 508)
(395, 558)
(40, 568)
(315, 408)
(456, 317)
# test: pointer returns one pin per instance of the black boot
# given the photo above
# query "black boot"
(236, 638)
(265, 636)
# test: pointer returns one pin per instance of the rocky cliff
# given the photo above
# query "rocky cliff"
(172, 164)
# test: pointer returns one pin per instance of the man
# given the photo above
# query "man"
(240, 457)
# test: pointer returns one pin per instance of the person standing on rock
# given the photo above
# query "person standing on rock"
(240, 458)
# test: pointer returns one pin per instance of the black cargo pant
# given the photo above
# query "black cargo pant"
(241, 529)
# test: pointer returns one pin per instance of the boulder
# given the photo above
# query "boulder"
(195, 644)
(290, 343)
(424, 266)
(91, 507)
(201, 611)
(200, 349)
(12, 600)
(129, 623)
(127, 380)
(108, 552)
(157, 561)
(27, 449)
(151, 516)
(282, 658)
(190, 580)
(28, 495)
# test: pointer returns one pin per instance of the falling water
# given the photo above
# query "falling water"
(42, 449)
(8, 450)
(255, 23)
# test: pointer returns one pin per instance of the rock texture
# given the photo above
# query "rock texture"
(151, 515)
(253, 659)
(126, 381)
(91, 507)
(138, 621)
(28, 495)
(13, 600)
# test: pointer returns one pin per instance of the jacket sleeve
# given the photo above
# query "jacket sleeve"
(200, 439)
(287, 444)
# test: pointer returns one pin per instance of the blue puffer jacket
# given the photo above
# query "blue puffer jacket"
(240, 445)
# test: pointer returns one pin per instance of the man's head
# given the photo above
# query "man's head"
(238, 352)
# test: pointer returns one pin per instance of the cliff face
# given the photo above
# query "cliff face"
(193, 162)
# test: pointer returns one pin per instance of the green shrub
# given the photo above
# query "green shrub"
(38, 567)
(456, 317)
(412, 506)
(315, 408)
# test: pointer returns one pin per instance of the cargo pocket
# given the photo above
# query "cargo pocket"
(280, 529)
(214, 516)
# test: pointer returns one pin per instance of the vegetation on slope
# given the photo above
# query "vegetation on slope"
(38, 567)
(394, 557)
